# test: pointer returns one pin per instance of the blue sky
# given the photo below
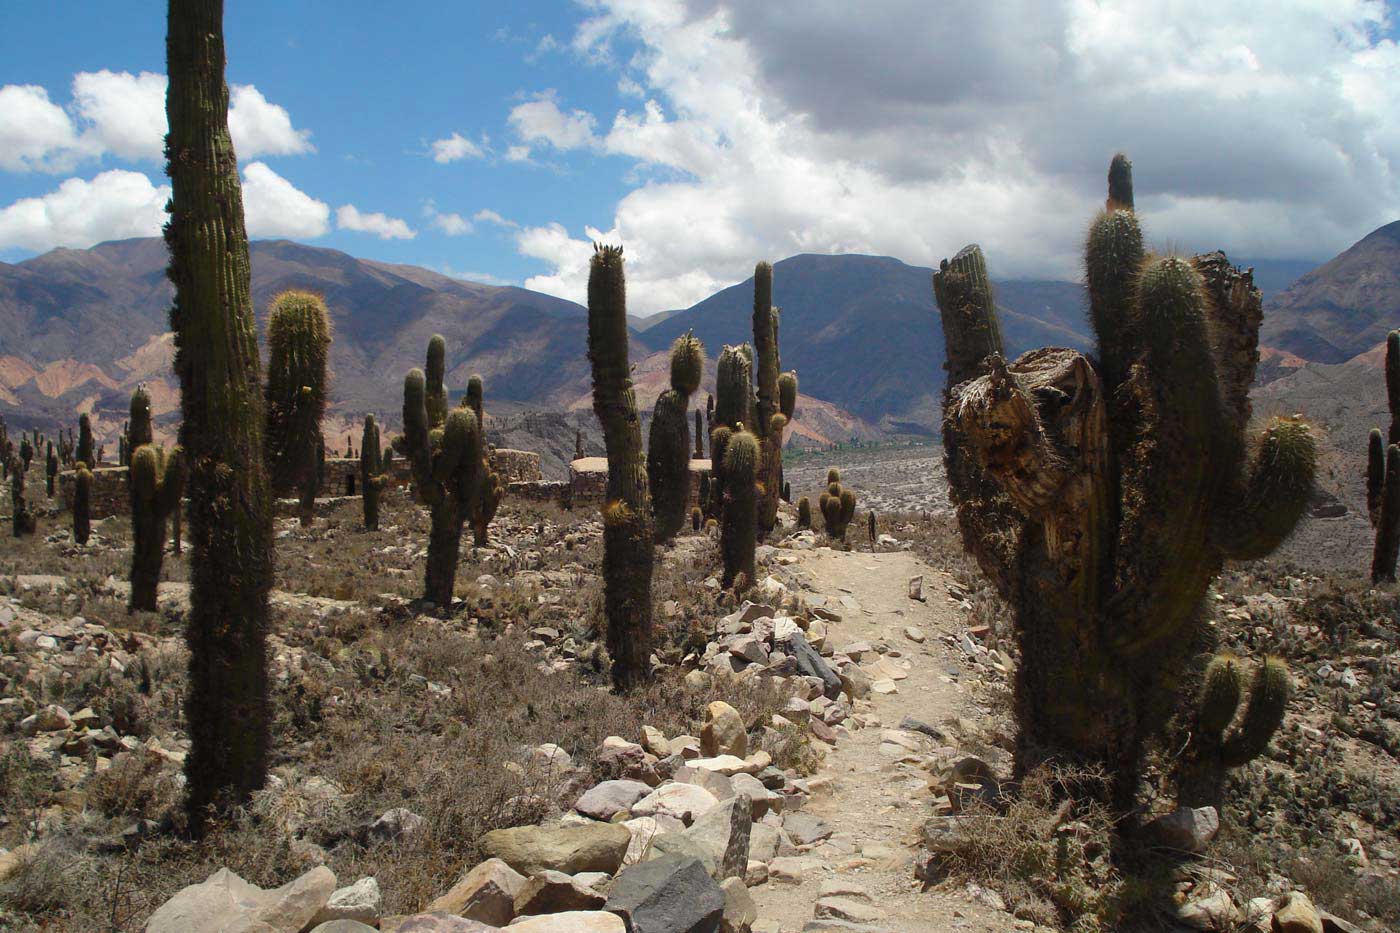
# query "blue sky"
(706, 134)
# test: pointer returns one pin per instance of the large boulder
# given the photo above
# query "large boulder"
(570, 849)
(672, 894)
(358, 901)
(551, 892)
(227, 903)
(486, 893)
(685, 802)
(723, 732)
(434, 922)
(720, 839)
(1296, 914)
(611, 798)
(810, 663)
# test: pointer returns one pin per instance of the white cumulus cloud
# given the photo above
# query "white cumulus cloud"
(274, 207)
(114, 205)
(541, 120)
(450, 223)
(454, 148)
(120, 114)
(763, 130)
(349, 217)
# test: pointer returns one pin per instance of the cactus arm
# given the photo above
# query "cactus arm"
(1263, 714)
(436, 392)
(417, 443)
(1113, 255)
(738, 534)
(971, 332)
(1276, 493)
(475, 399)
(787, 394)
(1375, 476)
(1392, 383)
(1120, 184)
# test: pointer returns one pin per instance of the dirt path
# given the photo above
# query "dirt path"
(876, 803)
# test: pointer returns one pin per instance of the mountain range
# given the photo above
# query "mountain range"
(80, 328)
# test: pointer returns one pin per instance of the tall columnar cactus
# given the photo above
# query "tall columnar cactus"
(804, 512)
(157, 483)
(735, 406)
(373, 475)
(50, 470)
(299, 342)
(26, 453)
(446, 461)
(86, 451)
(627, 517)
(1102, 496)
(699, 437)
(668, 446)
(216, 360)
(1383, 474)
(768, 431)
(23, 521)
(739, 531)
(138, 429)
(489, 489)
(578, 445)
(82, 504)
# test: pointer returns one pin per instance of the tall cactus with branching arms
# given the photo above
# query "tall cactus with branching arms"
(216, 360)
(1103, 495)
(446, 459)
(668, 446)
(299, 343)
(86, 450)
(768, 424)
(1383, 474)
(627, 518)
(489, 489)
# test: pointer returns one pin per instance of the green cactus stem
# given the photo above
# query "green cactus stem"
(299, 342)
(157, 483)
(373, 475)
(1102, 496)
(50, 470)
(86, 450)
(436, 392)
(668, 444)
(82, 504)
(734, 398)
(1383, 474)
(22, 521)
(699, 438)
(738, 531)
(138, 429)
(627, 513)
(1215, 747)
(697, 518)
(446, 466)
(804, 512)
(1387, 547)
(216, 361)
(766, 354)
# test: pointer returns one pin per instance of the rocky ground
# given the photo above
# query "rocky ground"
(822, 756)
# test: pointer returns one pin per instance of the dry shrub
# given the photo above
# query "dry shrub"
(137, 784)
(1050, 859)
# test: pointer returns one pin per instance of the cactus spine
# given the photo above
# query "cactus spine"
(138, 426)
(668, 445)
(446, 459)
(373, 475)
(82, 504)
(1101, 497)
(804, 512)
(298, 341)
(216, 359)
(738, 533)
(157, 483)
(627, 516)
(1383, 474)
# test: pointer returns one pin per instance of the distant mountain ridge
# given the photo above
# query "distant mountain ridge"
(80, 328)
